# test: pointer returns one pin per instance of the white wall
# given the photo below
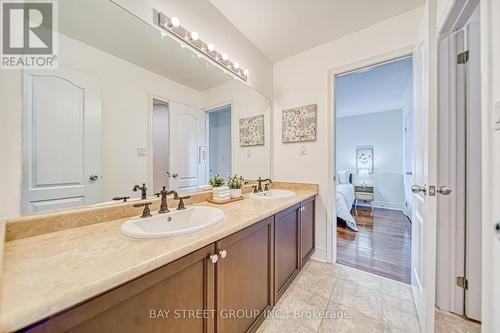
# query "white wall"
(10, 142)
(303, 79)
(249, 162)
(383, 131)
(213, 27)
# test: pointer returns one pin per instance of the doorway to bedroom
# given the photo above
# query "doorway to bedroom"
(373, 141)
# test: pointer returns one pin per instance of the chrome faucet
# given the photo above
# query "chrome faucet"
(143, 189)
(260, 181)
(164, 204)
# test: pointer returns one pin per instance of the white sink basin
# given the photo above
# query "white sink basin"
(273, 194)
(175, 223)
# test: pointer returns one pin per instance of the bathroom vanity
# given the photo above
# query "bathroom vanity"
(222, 279)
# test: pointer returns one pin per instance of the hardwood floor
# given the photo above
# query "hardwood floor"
(382, 245)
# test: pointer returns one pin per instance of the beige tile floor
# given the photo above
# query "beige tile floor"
(337, 298)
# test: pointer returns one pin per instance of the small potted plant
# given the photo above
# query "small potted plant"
(216, 181)
(235, 185)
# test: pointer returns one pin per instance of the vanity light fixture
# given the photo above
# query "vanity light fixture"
(174, 22)
(190, 39)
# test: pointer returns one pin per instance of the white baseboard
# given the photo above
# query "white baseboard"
(319, 254)
(384, 205)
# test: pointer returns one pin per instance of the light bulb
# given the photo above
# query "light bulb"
(211, 47)
(236, 65)
(246, 72)
(163, 34)
(194, 35)
(224, 56)
(182, 45)
(175, 21)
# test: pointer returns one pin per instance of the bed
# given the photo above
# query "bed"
(345, 200)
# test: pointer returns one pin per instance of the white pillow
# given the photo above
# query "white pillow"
(343, 176)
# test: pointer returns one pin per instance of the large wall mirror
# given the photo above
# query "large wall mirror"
(128, 106)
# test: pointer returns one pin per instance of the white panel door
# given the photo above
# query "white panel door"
(61, 139)
(187, 134)
(425, 170)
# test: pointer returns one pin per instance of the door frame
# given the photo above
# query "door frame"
(490, 291)
(151, 98)
(214, 108)
(331, 208)
(452, 243)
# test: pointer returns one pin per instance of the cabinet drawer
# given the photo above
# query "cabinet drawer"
(364, 196)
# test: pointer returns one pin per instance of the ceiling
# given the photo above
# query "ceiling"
(110, 28)
(281, 28)
(373, 89)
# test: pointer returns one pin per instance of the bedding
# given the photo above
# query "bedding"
(343, 176)
(345, 200)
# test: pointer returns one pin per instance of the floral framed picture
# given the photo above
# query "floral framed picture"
(252, 131)
(364, 158)
(299, 124)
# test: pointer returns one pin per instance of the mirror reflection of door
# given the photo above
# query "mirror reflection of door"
(219, 133)
(161, 145)
(61, 140)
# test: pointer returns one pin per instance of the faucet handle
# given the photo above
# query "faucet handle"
(146, 212)
(181, 202)
(266, 187)
(255, 189)
(121, 198)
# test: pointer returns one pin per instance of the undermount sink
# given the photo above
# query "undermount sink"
(273, 194)
(175, 223)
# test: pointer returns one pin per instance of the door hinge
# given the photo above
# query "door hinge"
(463, 58)
(462, 282)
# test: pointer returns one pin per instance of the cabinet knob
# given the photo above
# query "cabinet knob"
(222, 254)
(214, 258)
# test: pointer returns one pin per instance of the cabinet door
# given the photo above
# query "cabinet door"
(244, 278)
(287, 257)
(307, 225)
(142, 304)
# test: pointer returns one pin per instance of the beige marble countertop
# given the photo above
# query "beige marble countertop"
(48, 273)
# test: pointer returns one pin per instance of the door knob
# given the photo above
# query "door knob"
(444, 190)
(222, 254)
(93, 178)
(418, 189)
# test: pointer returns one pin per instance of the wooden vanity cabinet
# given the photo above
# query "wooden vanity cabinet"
(197, 294)
(307, 232)
(286, 247)
(244, 278)
(185, 284)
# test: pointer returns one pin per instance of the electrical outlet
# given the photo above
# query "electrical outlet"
(497, 116)
(141, 152)
(303, 150)
(249, 152)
